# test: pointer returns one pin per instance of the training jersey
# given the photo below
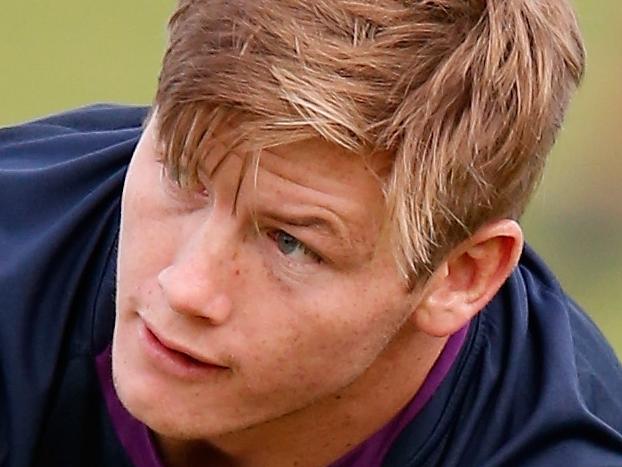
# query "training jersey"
(532, 383)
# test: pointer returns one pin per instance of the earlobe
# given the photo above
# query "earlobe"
(464, 283)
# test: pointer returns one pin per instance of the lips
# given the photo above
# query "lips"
(183, 352)
(173, 356)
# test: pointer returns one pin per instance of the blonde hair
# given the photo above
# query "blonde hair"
(467, 94)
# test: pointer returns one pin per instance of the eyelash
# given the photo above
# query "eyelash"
(274, 235)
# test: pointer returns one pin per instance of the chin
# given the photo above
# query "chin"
(166, 412)
(178, 421)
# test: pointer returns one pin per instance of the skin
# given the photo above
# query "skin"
(309, 323)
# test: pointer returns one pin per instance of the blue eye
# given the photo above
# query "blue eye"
(292, 247)
(286, 243)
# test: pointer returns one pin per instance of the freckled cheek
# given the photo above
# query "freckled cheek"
(307, 353)
(350, 330)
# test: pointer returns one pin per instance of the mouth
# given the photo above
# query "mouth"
(172, 358)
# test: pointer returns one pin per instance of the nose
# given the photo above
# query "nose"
(193, 285)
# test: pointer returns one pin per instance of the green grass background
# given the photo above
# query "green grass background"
(67, 53)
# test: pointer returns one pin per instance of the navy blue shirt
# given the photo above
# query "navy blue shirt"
(535, 383)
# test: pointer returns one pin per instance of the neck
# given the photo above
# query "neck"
(327, 429)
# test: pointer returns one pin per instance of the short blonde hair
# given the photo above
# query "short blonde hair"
(467, 94)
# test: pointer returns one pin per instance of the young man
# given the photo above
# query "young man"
(315, 259)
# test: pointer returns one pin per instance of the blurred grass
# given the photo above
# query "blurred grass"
(575, 219)
(63, 54)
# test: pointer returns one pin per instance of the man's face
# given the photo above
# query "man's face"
(286, 294)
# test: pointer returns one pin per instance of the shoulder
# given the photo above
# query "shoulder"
(49, 142)
(48, 167)
(536, 385)
(552, 381)
(61, 180)
(89, 119)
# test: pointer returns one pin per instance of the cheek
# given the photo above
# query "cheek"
(317, 343)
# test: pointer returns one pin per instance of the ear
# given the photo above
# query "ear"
(468, 278)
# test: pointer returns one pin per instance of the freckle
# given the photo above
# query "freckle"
(237, 272)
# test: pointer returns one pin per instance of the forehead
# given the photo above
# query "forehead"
(308, 161)
(327, 166)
